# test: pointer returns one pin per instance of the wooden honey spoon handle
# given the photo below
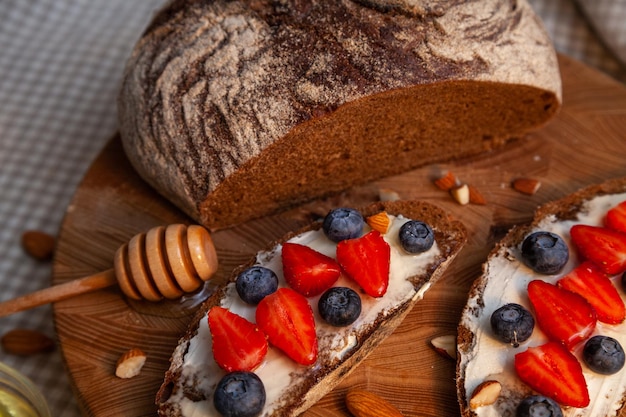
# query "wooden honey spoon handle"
(165, 262)
(59, 292)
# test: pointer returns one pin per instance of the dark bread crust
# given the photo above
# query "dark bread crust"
(450, 236)
(565, 208)
(237, 109)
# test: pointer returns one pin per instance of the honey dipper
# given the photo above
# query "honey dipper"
(164, 262)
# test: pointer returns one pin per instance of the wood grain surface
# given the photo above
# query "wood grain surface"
(585, 144)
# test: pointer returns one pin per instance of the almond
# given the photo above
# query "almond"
(461, 194)
(475, 196)
(446, 182)
(445, 345)
(39, 245)
(130, 363)
(379, 221)
(26, 342)
(486, 393)
(386, 194)
(363, 403)
(527, 186)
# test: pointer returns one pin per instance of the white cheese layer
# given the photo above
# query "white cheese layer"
(277, 371)
(507, 279)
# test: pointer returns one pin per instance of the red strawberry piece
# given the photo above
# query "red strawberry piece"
(596, 287)
(616, 218)
(307, 271)
(553, 371)
(238, 345)
(604, 247)
(563, 316)
(287, 319)
(366, 260)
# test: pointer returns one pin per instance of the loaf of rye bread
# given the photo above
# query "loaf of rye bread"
(481, 303)
(236, 109)
(187, 380)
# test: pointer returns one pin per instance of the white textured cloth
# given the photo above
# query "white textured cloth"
(584, 29)
(60, 65)
(608, 19)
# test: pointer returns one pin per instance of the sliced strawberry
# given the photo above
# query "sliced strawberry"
(287, 319)
(366, 260)
(563, 316)
(238, 345)
(554, 372)
(596, 287)
(616, 218)
(307, 271)
(604, 247)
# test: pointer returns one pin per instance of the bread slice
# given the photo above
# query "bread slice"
(237, 109)
(481, 357)
(191, 379)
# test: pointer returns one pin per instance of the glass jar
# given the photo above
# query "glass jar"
(19, 397)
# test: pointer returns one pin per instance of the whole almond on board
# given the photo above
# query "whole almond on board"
(130, 363)
(486, 393)
(527, 186)
(475, 196)
(363, 403)
(26, 342)
(38, 244)
(446, 182)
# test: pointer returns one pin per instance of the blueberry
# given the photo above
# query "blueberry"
(239, 394)
(538, 406)
(623, 282)
(339, 306)
(343, 223)
(545, 252)
(603, 355)
(512, 324)
(416, 236)
(254, 283)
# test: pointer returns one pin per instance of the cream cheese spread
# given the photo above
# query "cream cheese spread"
(277, 371)
(507, 279)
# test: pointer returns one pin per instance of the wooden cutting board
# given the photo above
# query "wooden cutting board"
(585, 144)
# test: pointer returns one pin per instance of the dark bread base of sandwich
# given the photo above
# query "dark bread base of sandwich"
(185, 385)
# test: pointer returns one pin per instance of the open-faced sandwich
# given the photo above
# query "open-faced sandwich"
(302, 314)
(543, 331)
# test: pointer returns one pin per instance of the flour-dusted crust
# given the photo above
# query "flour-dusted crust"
(450, 236)
(236, 109)
(566, 208)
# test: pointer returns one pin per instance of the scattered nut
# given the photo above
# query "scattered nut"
(475, 196)
(386, 194)
(363, 403)
(461, 194)
(130, 363)
(527, 186)
(485, 394)
(445, 346)
(447, 182)
(26, 342)
(38, 244)
(379, 221)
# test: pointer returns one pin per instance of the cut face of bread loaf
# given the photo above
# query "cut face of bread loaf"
(291, 389)
(482, 357)
(236, 109)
